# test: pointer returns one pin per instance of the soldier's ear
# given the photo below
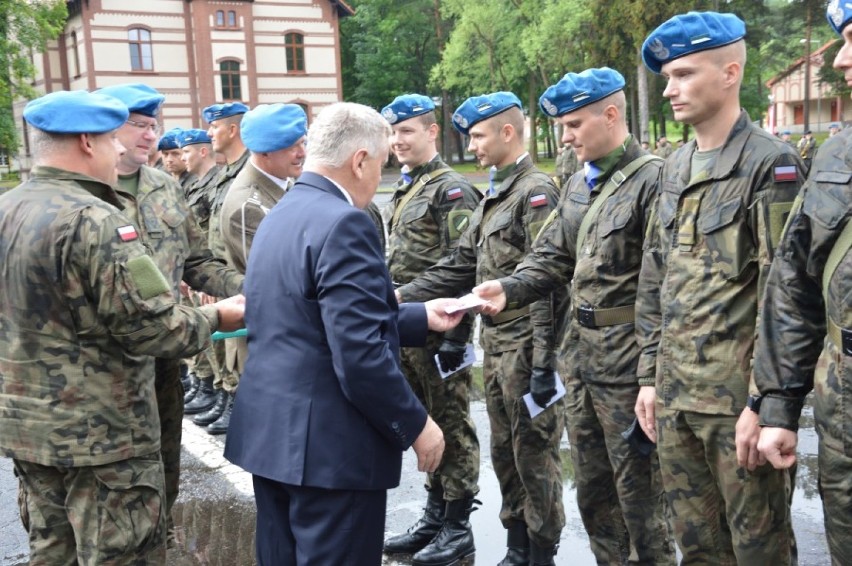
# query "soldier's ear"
(85, 143)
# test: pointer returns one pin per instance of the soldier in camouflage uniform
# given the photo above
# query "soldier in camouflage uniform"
(82, 298)
(805, 337)
(197, 154)
(721, 207)
(664, 148)
(211, 400)
(431, 207)
(275, 136)
(567, 164)
(619, 491)
(519, 343)
(157, 206)
(173, 159)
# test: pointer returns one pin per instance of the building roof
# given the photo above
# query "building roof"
(798, 63)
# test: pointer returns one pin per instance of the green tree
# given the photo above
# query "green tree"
(388, 48)
(25, 28)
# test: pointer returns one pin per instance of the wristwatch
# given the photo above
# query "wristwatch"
(754, 402)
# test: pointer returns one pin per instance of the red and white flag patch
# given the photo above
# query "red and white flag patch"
(127, 233)
(453, 194)
(786, 173)
(538, 200)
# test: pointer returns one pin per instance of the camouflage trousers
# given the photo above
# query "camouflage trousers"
(448, 403)
(224, 378)
(832, 410)
(524, 451)
(111, 514)
(619, 491)
(722, 513)
(170, 407)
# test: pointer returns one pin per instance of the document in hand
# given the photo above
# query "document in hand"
(467, 302)
(533, 407)
(469, 358)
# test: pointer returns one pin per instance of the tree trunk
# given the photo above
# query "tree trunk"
(533, 102)
(642, 94)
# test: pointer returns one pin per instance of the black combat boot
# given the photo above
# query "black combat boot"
(212, 414)
(424, 530)
(454, 542)
(542, 555)
(194, 384)
(220, 425)
(184, 377)
(203, 400)
(518, 541)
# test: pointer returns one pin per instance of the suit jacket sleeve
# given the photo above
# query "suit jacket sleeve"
(360, 317)
(412, 325)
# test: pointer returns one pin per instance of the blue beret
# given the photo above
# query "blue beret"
(689, 33)
(169, 140)
(786, 133)
(219, 111)
(839, 13)
(407, 106)
(833, 125)
(76, 112)
(270, 127)
(190, 137)
(478, 108)
(139, 98)
(573, 91)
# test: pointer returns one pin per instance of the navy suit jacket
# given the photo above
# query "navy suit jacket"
(322, 401)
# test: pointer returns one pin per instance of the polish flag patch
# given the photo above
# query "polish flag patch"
(538, 200)
(453, 194)
(786, 173)
(127, 233)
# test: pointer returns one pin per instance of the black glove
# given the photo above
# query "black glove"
(451, 354)
(542, 385)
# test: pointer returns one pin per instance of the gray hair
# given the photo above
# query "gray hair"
(343, 128)
(45, 144)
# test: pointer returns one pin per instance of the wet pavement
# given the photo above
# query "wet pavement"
(214, 515)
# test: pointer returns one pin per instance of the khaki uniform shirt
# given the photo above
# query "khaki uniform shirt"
(605, 275)
(83, 309)
(175, 241)
(501, 233)
(707, 258)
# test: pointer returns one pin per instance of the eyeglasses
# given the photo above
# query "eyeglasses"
(155, 127)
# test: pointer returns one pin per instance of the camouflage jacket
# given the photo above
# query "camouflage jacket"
(706, 260)
(501, 233)
(174, 239)
(82, 311)
(250, 198)
(186, 180)
(793, 321)
(198, 197)
(223, 182)
(375, 215)
(664, 150)
(429, 226)
(604, 276)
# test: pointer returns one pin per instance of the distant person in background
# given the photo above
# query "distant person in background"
(169, 147)
(833, 130)
(807, 149)
(664, 148)
(785, 137)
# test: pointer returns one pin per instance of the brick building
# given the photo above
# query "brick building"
(199, 52)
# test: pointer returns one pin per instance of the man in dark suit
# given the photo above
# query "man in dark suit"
(324, 412)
